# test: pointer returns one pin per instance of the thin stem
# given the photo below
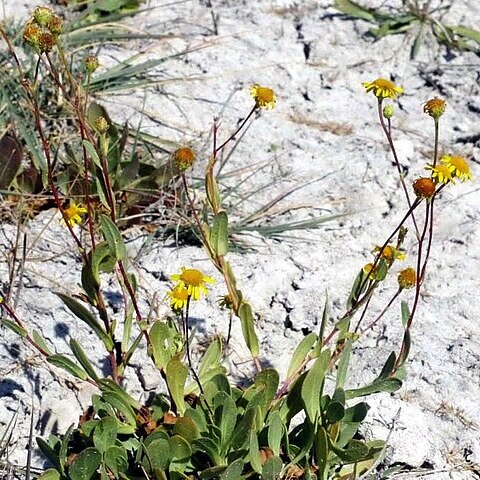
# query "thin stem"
(232, 136)
(187, 343)
(387, 132)
(389, 304)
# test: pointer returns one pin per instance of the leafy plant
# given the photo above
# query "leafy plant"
(418, 18)
(204, 425)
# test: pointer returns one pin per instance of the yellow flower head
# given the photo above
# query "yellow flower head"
(442, 173)
(434, 107)
(407, 278)
(183, 158)
(72, 214)
(383, 88)
(193, 280)
(178, 297)
(460, 167)
(390, 253)
(264, 97)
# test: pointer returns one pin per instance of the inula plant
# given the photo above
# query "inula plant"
(302, 423)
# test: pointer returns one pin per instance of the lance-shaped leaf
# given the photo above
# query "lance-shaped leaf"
(113, 237)
(219, 233)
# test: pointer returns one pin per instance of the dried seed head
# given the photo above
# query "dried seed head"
(46, 41)
(434, 107)
(55, 25)
(407, 278)
(31, 34)
(424, 187)
(183, 158)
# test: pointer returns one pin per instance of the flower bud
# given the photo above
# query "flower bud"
(388, 111)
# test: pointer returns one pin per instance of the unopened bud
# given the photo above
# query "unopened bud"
(91, 63)
(101, 124)
(43, 15)
(388, 111)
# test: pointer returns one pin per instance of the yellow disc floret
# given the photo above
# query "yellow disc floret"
(264, 97)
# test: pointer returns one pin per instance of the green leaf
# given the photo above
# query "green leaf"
(211, 358)
(86, 316)
(356, 413)
(50, 474)
(118, 402)
(209, 447)
(241, 434)
(301, 352)
(39, 340)
(113, 237)
(405, 312)
(275, 432)
(101, 193)
(102, 260)
(313, 384)
(85, 464)
(68, 365)
(354, 10)
(82, 358)
(219, 233)
(225, 417)
(388, 367)
(354, 451)
(335, 412)
(14, 327)
(176, 374)
(321, 446)
(234, 470)
(388, 385)
(158, 453)
(323, 324)
(186, 428)
(162, 340)
(49, 452)
(248, 328)
(272, 468)
(254, 453)
(359, 286)
(116, 459)
(180, 450)
(105, 434)
(92, 152)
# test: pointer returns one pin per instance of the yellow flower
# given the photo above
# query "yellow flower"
(72, 214)
(390, 253)
(442, 173)
(178, 297)
(460, 167)
(407, 278)
(383, 88)
(193, 280)
(434, 107)
(370, 271)
(264, 97)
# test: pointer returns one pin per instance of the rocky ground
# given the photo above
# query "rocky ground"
(324, 137)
